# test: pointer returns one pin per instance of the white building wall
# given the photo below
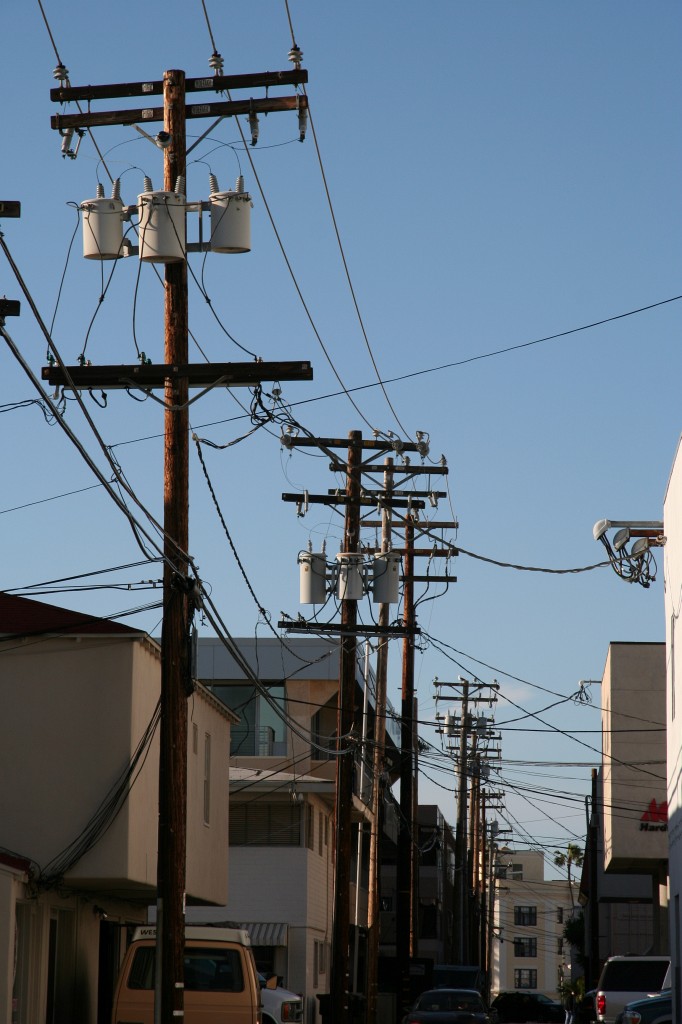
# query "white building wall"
(672, 527)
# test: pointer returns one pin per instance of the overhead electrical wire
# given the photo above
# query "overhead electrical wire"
(526, 682)
(295, 48)
(216, 57)
(490, 355)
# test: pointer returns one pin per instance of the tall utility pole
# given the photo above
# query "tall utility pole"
(175, 377)
(472, 883)
(345, 763)
(461, 901)
(406, 831)
(175, 669)
(373, 901)
(355, 498)
(387, 499)
(592, 855)
(465, 944)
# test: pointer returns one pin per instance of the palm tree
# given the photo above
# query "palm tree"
(574, 855)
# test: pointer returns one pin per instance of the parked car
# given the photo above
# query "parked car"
(279, 1005)
(448, 1006)
(653, 1010)
(519, 1007)
(221, 983)
(625, 979)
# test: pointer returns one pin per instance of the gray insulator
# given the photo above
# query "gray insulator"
(116, 188)
(147, 185)
(180, 185)
(213, 184)
(99, 192)
(239, 187)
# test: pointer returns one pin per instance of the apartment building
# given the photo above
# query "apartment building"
(79, 776)
(529, 952)
(282, 797)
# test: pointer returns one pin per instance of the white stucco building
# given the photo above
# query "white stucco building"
(672, 527)
(529, 952)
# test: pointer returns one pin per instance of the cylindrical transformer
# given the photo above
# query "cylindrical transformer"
(230, 221)
(313, 577)
(102, 228)
(351, 577)
(386, 578)
(162, 227)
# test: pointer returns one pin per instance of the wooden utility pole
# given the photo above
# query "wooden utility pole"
(174, 631)
(373, 902)
(404, 879)
(483, 882)
(461, 933)
(466, 942)
(593, 877)
(175, 376)
(472, 879)
(345, 762)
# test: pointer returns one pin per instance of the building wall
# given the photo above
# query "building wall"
(634, 758)
(207, 840)
(65, 701)
(288, 884)
(74, 711)
(672, 520)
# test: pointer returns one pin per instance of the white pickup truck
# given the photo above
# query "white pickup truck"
(279, 1005)
(626, 978)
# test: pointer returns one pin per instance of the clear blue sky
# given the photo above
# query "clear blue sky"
(500, 172)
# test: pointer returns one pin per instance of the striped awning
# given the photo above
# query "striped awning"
(266, 933)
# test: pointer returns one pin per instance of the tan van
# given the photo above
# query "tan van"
(221, 983)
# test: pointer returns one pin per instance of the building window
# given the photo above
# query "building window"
(207, 779)
(525, 978)
(525, 947)
(429, 918)
(319, 833)
(560, 915)
(261, 731)
(310, 826)
(258, 824)
(560, 947)
(525, 915)
(319, 961)
(195, 738)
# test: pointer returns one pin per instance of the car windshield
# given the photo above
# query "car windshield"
(442, 1000)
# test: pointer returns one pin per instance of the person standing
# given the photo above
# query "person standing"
(569, 1006)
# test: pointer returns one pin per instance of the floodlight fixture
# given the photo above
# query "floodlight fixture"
(600, 528)
(621, 538)
(640, 547)
(637, 564)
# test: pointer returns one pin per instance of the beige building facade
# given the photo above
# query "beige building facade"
(79, 761)
(635, 801)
